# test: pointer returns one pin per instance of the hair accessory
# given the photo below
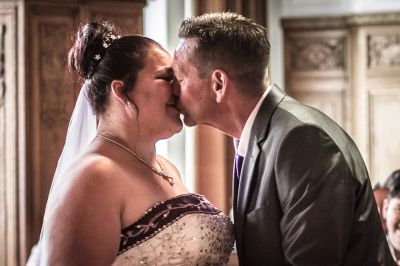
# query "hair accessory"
(107, 41)
(100, 50)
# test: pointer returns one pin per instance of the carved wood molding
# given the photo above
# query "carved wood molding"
(340, 22)
(383, 51)
(11, 179)
(313, 23)
(2, 63)
(317, 53)
(373, 19)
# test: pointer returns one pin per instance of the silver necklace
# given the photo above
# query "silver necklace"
(163, 173)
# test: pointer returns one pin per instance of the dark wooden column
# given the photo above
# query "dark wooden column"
(214, 150)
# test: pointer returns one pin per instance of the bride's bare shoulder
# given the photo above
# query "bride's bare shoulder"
(89, 175)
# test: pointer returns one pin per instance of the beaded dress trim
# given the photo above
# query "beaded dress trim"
(162, 215)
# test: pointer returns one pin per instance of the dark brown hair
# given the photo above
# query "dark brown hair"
(121, 60)
(231, 42)
(393, 184)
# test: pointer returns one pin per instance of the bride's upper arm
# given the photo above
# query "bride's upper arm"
(83, 225)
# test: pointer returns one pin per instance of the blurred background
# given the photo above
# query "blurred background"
(341, 56)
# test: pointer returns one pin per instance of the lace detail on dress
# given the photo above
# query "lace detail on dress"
(185, 230)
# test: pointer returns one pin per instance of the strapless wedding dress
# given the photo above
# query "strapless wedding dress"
(184, 230)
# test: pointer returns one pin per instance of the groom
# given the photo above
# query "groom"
(302, 192)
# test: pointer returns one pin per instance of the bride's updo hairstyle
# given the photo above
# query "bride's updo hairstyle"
(99, 55)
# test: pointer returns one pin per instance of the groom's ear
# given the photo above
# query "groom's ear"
(117, 87)
(219, 84)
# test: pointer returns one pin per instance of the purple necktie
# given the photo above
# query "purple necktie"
(238, 165)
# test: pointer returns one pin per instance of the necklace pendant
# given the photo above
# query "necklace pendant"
(171, 181)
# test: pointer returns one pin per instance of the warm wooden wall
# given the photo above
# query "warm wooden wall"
(9, 207)
(349, 67)
(37, 96)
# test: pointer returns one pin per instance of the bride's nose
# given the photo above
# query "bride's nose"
(176, 88)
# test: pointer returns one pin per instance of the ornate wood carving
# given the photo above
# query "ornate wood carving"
(384, 51)
(317, 54)
(367, 81)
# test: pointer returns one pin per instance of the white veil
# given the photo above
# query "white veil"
(81, 131)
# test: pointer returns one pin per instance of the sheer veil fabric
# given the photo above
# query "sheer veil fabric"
(81, 131)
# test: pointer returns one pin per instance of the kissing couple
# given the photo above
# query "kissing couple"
(302, 195)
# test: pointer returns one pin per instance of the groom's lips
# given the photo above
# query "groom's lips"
(175, 103)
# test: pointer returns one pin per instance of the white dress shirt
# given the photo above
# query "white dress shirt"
(241, 149)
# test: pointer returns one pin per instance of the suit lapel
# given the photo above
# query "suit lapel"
(248, 178)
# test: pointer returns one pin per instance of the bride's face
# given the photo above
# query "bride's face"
(154, 97)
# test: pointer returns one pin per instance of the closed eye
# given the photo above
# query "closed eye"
(165, 74)
(170, 79)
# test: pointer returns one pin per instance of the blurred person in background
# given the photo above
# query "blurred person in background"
(391, 213)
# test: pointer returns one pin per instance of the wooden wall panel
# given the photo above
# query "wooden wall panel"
(254, 9)
(316, 71)
(349, 68)
(51, 100)
(8, 138)
(384, 131)
(127, 17)
(211, 172)
(51, 90)
(383, 101)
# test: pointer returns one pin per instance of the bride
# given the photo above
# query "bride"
(113, 200)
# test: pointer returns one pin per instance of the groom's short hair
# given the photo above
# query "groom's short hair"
(231, 42)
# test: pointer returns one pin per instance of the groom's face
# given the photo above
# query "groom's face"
(192, 90)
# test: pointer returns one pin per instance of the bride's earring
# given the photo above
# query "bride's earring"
(129, 108)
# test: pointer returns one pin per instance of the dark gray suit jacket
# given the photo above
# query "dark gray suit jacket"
(304, 196)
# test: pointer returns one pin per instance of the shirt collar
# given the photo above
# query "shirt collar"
(243, 143)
